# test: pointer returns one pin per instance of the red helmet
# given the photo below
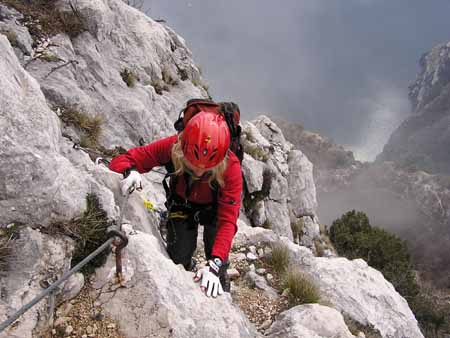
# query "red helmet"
(205, 140)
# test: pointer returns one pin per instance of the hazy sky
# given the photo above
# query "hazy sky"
(339, 67)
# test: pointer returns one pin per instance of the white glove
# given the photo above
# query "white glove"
(131, 182)
(210, 280)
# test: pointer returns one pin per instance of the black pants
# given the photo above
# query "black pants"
(182, 240)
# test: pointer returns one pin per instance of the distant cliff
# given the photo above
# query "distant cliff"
(423, 140)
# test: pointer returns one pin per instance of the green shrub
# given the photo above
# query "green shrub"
(168, 78)
(183, 74)
(49, 57)
(256, 152)
(432, 312)
(159, 86)
(128, 77)
(354, 237)
(279, 258)
(301, 289)
(320, 248)
(88, 231)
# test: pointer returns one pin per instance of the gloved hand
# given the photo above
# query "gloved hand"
(131, 182)
(209, 275)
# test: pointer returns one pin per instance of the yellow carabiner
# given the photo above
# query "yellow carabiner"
(148, 205)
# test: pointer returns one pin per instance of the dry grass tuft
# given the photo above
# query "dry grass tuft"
(90, 126)
(43, 18)
(301, 289)
(279, 258)
(89, 232)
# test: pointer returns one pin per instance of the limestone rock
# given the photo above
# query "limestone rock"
(32, 190)
(253, 172)
(72, 287)
(422, 140)
(175, 309)
(260, 283)
(37, 260)
(314, 319)
(302, 190)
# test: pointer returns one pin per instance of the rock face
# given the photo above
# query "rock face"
(31, 190)
(320, 150)
(423, 140)
(279, 179)
(310, 321)
(161, 299)
(36, 260)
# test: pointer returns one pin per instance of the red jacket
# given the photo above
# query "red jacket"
(157, 153)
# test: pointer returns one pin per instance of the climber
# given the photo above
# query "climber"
(205, 187)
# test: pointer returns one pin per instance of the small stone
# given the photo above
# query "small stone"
(98, 316)
(240, 257)
(261, 271)
(233, 273)
(60, 321)
(252, 267)
(89, 330)
(111, 326)
(242, 249)
(97, 303)
(84, 336)
(13, 209)
(265, 325)
(361, 335)
(252, 249)
(69, 329)
(269, 277)
(260, 253)
(251, 256)
(53, 331)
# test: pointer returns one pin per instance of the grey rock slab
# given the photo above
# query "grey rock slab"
(359, 291)
(160, 298)
(36, 182)
(36, 258)
(319, 320)
(302, 190)
(253, 173)
(277, 214)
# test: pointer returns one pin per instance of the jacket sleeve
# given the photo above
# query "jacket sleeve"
(144, 158)
(229, 203)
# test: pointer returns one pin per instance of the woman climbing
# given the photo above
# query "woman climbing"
(205, 188)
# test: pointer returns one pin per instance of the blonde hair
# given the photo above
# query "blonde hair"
(217, 173)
